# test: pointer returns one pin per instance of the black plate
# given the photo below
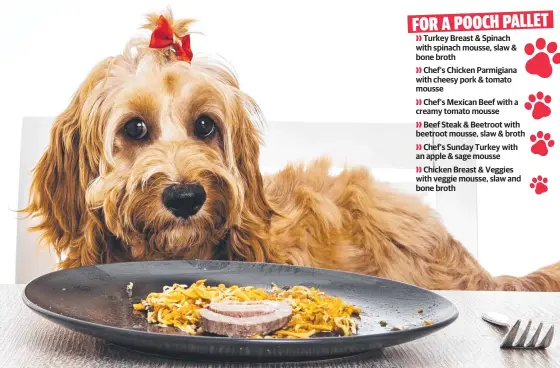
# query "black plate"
(94, 300)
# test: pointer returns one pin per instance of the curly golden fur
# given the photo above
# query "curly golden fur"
(99, 194)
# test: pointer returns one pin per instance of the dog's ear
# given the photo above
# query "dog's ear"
(61, 177)
(250, 225)
(247, 237)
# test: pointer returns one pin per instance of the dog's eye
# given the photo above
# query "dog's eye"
(135, 128)
(204, 126)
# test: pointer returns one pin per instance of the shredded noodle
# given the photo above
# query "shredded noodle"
(313, 311)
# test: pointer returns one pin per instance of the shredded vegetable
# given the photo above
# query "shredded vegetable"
(313, 311)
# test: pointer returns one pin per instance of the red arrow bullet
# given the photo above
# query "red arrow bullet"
(418, 38)
(418, 101)
(418, 169)
(418, 147)
(418, 69)
(418, 124)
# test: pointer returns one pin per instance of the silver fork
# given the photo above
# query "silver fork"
(509, 339)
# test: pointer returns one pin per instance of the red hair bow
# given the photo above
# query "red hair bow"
(162, 36)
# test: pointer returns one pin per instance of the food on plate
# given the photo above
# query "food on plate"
(385, 324)
(243, 319)
(250, 312)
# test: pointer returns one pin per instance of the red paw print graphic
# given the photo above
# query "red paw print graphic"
(541, 143)
(539, 105)
(541, 63)
(539, 185)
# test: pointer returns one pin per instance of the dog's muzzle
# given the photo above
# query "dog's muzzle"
(184, 200)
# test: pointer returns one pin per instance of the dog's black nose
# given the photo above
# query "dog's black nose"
(184, 200)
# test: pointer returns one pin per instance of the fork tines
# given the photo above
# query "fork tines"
(509, 339)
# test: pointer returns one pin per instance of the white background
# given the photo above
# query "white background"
(315, 61)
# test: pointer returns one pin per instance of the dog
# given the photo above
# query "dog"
(157, 157)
